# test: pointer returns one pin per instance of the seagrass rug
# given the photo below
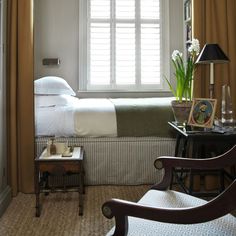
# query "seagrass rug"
(59, 215)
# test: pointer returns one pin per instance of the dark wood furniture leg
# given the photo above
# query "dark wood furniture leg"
(37, 190)
(81, 189)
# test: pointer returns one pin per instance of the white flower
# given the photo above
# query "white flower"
(176, 54)
(194, 47)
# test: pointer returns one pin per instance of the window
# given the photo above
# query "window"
(123, 45)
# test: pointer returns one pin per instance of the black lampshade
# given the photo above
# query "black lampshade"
(212, 53)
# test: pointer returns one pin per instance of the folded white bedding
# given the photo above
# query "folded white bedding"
(58, 121)
(95, 117)
(85, 117)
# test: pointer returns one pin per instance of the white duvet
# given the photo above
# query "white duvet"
(85, 117)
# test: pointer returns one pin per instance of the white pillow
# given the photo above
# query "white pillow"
(54, 100)
(52, 85)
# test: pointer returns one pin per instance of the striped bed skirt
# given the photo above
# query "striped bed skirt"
(119, 160)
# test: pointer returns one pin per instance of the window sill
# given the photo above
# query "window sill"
(122, 94)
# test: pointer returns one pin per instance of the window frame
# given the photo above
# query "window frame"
(84, 59)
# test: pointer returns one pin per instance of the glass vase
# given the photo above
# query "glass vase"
(227, 119)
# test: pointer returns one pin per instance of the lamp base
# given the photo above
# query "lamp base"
(211, 90)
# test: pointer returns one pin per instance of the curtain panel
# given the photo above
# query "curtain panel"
(214, 21)
(20, 98)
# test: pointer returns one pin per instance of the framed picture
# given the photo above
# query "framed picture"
(202, 112)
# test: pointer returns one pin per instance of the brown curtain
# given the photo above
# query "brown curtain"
(215, 22)
(20, 95)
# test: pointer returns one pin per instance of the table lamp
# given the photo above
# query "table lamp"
(210, 54)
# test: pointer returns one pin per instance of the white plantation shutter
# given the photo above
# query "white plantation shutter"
(100, 58)
(125, 53)
(124, 30)
(150, 54)
(123, 45)
(125, 9)
(100, 9)
(150, 9)
(100, 42)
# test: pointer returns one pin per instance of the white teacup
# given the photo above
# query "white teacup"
(67, 152)
(61, 147)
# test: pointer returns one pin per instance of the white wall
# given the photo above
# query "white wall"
(56, 35)
(176, 25)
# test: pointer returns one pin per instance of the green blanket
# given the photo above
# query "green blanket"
(143, 116)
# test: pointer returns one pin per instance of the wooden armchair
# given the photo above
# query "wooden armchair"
(166, 212)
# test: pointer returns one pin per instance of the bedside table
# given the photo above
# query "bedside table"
(194, 143)
(56, 165)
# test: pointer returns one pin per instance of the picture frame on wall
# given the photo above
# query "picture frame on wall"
(202, 112)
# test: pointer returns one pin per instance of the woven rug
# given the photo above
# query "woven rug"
(59, 214)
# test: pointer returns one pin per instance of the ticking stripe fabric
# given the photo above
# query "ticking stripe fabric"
(121, 161)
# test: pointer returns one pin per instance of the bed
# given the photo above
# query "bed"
(121, 137)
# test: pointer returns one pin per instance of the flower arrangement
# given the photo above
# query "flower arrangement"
(184, 72)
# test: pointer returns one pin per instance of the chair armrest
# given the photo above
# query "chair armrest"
(121, 209)
(168, 163)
